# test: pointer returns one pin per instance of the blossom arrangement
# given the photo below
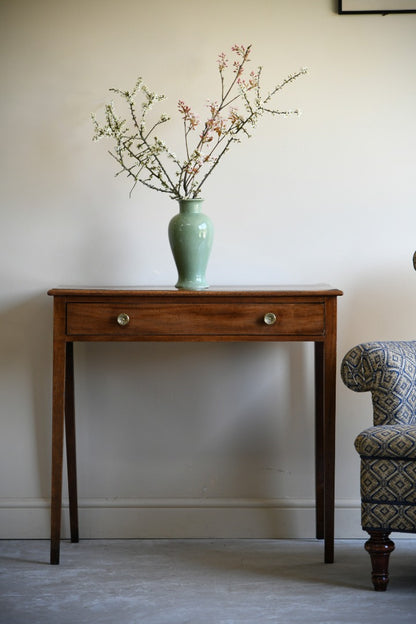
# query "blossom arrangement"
(145, 157)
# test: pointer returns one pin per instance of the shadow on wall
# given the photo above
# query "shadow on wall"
(25, 374)
(270, 440)
(231, 421)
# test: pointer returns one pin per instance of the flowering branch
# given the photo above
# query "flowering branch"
(147, 159)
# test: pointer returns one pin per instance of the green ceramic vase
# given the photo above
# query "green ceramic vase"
(190, 236)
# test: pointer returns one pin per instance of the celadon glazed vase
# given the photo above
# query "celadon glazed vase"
(190, 235)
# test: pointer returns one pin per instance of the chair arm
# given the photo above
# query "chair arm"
(387, 441)
(388, 371)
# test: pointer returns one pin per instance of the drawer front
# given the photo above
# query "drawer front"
(185, 319)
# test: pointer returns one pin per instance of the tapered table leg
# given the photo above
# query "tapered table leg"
(57, 446)
(319, 441)
(70, 442)
(329, 376)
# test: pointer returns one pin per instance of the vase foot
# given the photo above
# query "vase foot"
(187, 285)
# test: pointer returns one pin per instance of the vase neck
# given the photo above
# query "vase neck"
(190, 205)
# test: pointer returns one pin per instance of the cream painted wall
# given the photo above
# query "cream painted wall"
(198, 440)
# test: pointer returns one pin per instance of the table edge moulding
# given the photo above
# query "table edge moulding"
(218, 314)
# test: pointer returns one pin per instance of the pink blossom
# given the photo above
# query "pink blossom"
(239, 49)
(213, 108)
(252, 82)
(238, 68)
(233, 116)
(222, 61)
(187, 114)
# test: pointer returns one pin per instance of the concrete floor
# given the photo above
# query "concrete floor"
(202, 582)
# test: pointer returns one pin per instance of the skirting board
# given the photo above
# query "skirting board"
(178, 518)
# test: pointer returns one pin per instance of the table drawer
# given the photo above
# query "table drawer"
(190, 319)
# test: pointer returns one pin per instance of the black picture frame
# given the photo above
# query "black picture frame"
(383, 7)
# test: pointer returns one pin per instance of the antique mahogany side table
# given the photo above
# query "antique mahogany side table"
(235, 314)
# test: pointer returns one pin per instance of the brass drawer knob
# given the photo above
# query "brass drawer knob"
(270, 318)
(123, 319)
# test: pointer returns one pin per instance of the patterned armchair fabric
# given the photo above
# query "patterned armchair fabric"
(387, 449)
(388, 370)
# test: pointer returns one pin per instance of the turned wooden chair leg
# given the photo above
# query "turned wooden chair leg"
(379, 547)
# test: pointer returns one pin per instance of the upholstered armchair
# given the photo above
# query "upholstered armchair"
(387, 449)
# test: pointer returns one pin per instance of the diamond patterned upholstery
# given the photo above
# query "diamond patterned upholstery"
(388, 370)
(390, 441)
(388, 448)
